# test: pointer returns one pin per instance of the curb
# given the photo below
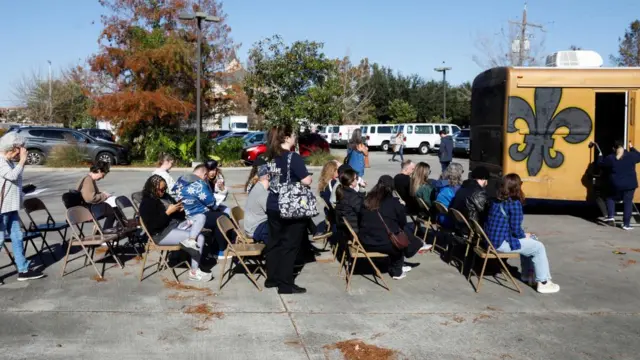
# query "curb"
(33, 168)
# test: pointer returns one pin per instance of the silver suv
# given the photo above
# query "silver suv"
(40, 140)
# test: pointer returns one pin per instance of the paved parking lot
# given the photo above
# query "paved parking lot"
(432, 314)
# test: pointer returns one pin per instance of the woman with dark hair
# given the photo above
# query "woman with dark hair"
(285, 235)
(166, 231)
(504, 229)
(356, 152)
(382, 208)
(348, 202)
(623, 181)
(253, 174)
(165, 163)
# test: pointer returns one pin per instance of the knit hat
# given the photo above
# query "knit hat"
(211, 165)
(480, 173)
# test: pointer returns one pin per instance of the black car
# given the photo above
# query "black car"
(40, 140)
(101, 134)
(218, 133)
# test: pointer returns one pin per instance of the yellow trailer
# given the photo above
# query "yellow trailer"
(538, 122)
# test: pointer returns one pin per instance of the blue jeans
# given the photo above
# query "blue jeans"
(627, 200)
(400, 152)
(11, 224)
(444, 165)
(532, 254)
(261, 234)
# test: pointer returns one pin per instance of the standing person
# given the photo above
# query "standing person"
(165, 230)
(381, 208)
(398, 148)
(445, 153)
(285, 235)
(421, 187)
(504, 229)
(356, 152)
(165, 163)
(255, 214)
(12, 148)
(621, 166)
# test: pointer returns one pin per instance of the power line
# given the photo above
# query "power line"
(523, 39)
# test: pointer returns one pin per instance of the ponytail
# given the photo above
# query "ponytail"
(275, 139)
(346, 179)
(339, 192)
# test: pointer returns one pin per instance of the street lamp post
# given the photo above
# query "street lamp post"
(50, 95)
(199, 17)
(444, 70)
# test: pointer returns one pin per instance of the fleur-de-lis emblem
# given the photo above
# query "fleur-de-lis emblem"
(543, 122)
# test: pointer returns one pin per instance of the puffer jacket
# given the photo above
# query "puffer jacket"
(195, 193)
(472, 201)
(349, 207)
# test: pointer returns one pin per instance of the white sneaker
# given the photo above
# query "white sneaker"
(628, 228)
(406, 269)
(400, 277)
(609, 219)
(425, 248)
(548, 288)
(190, 243)
(197, 275)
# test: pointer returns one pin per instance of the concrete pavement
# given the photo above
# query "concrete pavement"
(434, 313)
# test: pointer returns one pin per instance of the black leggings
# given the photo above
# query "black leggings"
(395, 255)
(285, 237)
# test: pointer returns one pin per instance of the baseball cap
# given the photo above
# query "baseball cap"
(480, 173)
(211, 165)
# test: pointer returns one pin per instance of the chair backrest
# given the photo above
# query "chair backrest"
(354, 238)
(146, 232)
(123, 202)
(237, 215)
(137, 199)
(79, 215)
(462, 220)
(441, 208)
(32, 205)
(424, 205)
(225, 225)
(482, 236)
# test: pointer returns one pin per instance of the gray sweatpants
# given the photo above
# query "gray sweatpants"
(175, 236)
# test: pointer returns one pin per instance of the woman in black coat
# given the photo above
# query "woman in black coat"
(348, 203)
(380, 203)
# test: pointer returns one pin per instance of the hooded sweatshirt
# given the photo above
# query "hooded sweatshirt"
(195, 193)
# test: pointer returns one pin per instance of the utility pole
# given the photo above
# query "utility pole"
(444, 70)
(521, 45)
(50, 95)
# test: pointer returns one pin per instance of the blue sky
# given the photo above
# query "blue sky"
(410, 36)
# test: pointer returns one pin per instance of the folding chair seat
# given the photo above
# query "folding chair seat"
(77, 216)
(487, 253)
(252, 253)
(164, 251)
(123, 204)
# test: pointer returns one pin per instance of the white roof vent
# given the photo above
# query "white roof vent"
(575, 58)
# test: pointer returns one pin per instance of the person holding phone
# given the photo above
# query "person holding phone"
(13, 156)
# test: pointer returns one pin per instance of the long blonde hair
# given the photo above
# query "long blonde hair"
(419, 176)
(326, 175)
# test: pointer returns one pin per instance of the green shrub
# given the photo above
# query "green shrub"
(229, 150)
(319, 158)
(67, 156)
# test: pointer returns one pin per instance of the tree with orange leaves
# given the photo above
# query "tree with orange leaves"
(145, 71)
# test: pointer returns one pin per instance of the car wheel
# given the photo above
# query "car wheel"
(106, 157)
(385, 146)
(424, 149)
(35, 157)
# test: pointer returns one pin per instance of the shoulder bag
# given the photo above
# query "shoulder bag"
(400, 240)
(295, 201)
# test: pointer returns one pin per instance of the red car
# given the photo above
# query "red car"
(308, 143)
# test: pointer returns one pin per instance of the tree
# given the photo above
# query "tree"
(629, 47)
(146, 69)
(355, 101)
(287, 84)
(574, 48)
(496, 50)
(402, 112)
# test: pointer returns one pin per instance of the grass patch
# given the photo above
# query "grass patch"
(67, 156)
(319, 158)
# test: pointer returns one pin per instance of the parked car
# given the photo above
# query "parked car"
(217, 133)
(40, 140)
(307, 144)
(461, 142)
(422, 137)
(232, 134)
(342, 136)
(101, 134)
(377, 136)
(254, 138)
(326, 132)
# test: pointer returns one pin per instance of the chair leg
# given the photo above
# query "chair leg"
(44, 243)
(464, 259)
(222, 271)
(484, 266)
(350, 274)
(506, 270)
(249, 274)
(91, 260)
(375, 268)
(66, 258)
(341, 263)
(165, 266)
(144, 260)
(471, 269)
(113, 254)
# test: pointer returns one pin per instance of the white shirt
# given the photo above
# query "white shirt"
(167, 178)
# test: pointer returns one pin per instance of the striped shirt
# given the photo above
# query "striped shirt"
(11, 180)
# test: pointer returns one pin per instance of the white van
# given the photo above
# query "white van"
(326, 131)
(377, 135)
(342, 136)
(423, 137)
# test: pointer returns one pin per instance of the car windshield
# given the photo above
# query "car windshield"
(464, 133)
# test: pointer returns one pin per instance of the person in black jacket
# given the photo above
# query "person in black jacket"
(349, 202)
(380, 205)
(471, 199)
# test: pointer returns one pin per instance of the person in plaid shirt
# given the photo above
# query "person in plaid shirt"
(504, 229)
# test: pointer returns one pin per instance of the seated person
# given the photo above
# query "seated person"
(255, 211)
(349, 203)
(88, 187)
(402, 184)
(380, 205)
(216, 181)
(328, 182)
(194, 192)
(253, 174)
(471, 199)
(165, 163)
(504, 230)
(446, 188)
(165, 231)
(421, 187)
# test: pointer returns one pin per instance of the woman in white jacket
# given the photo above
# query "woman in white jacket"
(12, 148)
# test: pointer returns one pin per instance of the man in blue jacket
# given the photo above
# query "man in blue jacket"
(446, 150)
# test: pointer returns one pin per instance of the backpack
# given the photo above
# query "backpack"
(74, 197)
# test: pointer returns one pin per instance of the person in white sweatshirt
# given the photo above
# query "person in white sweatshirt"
(165, 163)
